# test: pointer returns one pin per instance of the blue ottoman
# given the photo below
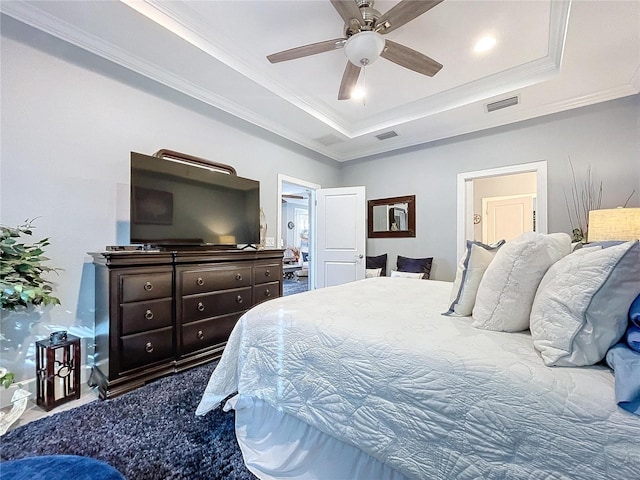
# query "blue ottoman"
(58, 467)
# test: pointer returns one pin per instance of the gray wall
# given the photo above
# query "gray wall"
(604, 136)
(69, 122)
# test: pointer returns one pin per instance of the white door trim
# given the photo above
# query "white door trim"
(464, 190)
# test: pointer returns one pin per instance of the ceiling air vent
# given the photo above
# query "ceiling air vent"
(328, 140)
(500, 104)
(386, 135)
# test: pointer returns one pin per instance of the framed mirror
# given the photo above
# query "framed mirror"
(392, 217)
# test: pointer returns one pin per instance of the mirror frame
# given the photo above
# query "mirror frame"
(410, 200)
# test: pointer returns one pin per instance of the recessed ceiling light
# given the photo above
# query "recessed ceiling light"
(484, 44)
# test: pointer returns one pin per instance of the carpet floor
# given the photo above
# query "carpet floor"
(290, 287)
(149, 433)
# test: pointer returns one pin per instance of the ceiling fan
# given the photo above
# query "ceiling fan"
(363, 42)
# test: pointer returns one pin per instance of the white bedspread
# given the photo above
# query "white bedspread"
(373, 363)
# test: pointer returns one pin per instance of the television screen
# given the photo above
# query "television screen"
(177, 204)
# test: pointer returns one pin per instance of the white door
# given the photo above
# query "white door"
(340, 235)
(506, 217)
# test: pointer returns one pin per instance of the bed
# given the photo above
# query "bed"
(369, 380)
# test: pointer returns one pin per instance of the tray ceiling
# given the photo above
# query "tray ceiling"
(549, 55)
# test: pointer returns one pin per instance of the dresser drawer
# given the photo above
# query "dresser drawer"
(221, 278)
(146, 286)
(149, 315)
(146, 348)
(265, 291)
(266, 273)
(197, 307)
(207, 333)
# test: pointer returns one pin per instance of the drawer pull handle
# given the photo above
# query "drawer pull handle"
(238, 276)
(267, 293)
(200, 307)
(200, 281)
(239, 299)
(148, 286)
(267, 273)
(148, 347)
(148, 315)
(200, 335)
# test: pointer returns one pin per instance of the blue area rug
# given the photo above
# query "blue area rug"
(149, 433)
(290, 287)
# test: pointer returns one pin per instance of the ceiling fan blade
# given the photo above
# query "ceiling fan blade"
(404, 12)
(409, 58)
(349, 80)
(306, 50)
(348, 10)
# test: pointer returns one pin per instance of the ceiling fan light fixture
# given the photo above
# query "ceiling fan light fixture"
(358, 93)
(364, 48)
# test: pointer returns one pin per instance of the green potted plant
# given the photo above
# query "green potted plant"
(22, 287)
(21, 282)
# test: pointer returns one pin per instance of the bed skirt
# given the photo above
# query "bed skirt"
(276, 446)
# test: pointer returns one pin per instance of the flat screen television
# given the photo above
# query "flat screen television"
(176, 204)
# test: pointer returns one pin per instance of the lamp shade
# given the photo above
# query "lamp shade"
(364, 48)
(614, 224)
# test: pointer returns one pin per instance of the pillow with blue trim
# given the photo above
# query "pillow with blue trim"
(415, 265)
(470, 270)
(581, 307)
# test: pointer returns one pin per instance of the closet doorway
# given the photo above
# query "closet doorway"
(519, 192)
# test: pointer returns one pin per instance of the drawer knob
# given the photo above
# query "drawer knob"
(148, 315)
(267, 273)
(200, 281)
(148, 286)
(200, 307)
(267, 293)
(238, 276)
(239, 299)
(148, 347)
(200, 335)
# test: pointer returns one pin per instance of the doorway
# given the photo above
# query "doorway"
(469, 219)
(296, 232)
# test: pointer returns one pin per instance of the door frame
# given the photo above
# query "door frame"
(312, 187)
(464, 214)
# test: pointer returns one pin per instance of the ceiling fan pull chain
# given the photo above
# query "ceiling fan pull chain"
(364, 86)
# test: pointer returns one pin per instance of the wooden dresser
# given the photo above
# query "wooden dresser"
(160, 312)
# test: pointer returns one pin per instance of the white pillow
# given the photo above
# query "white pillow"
(372, 272)
(395, 273)
(582, 304)
(471, 268)
(509, 284)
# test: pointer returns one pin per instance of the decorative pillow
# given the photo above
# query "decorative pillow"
(634, 312)
(372, 272)
(378, 262)
(582, 304)
(509, 284)
(471, 268)
(415, 265)
(633, 337)
(395, 273)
